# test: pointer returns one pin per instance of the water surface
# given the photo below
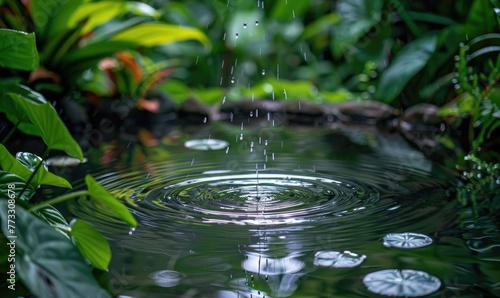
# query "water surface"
(233, 211)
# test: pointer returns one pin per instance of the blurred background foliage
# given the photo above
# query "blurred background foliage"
(398, 52)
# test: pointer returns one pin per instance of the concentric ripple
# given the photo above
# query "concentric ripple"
(260, 198)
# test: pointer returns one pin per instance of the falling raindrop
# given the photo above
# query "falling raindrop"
(232, 80)
(205, 120)
(236, 35)
(256, 23)
(263, 72)
(244, 25)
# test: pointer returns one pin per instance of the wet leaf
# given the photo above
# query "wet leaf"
(407, 240)
(46, 261)
(401, 283)
(52, 130)
(93, 246)
(102, 195)
(42, 176)
(335, 259)
(18, 50)
(6, 179)
(23, 165)
(408, 61)
(53, 217)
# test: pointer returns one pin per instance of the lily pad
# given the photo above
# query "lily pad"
(401, 283)
(335, 259)
(407, 240)
(206, 144)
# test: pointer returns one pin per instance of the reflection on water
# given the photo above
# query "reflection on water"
(270, 213)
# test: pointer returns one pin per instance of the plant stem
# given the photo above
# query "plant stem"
(59, 199)
(7, 137)
(45, 153)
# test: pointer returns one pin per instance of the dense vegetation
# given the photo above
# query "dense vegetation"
(76, 53)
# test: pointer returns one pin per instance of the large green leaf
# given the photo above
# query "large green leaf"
(15, 113)
(100, 194)
(93, 246)
(408, 61)
(154, 34)
(46, 261)
(357, 17)
(52, 129)
(15, 184)
(18, 50)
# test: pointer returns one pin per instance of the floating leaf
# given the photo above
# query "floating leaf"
(337, 259)
(407, 240)
(46, 261)
(102, 195)
(206, 144)
(93, 246)
(18, 50)
(52, 130)
(408, 61)
(401, 283)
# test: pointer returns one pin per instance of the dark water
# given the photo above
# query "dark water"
(266, 217)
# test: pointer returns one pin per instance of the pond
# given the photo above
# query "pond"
(263, 210)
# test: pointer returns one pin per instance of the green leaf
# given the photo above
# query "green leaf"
(46, 261)
(52, 17)
(18, 50)
(23, 165)
(42, 176)
(18, 184)
(53, 217)
(153, 34)
(320, 25)
(357, 17)
(15, 113)
(102, 195)
(93, 246)
(408, 61)
(52, 130)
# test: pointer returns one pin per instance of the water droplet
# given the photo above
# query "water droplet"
(256, 23)
(205, 120)
(251, 113)
(227, 150)
(241, 137)
(244, 25)
(236, 35)
(232, 80)
(263, 72)
(223, 100)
